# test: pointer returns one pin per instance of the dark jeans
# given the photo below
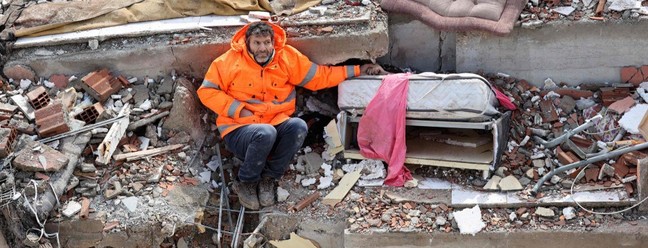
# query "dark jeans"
(266, 150)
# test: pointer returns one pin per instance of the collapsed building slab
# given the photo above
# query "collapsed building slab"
(191, 46)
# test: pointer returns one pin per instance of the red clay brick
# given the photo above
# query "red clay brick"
(38, 97)
(90, 114)
(610, 95)
(100, 84)
(644, 71)
(627, 73)
(50, 120)
(7, 140)
(574, 93)
(623, 105)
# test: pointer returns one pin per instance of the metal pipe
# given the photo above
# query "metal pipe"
(595, 159)
(557, 141)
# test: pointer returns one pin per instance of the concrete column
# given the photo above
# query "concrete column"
(416, 45)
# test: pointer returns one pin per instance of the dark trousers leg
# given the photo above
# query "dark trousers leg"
(252, 144)
(290, 137)
(266, 149)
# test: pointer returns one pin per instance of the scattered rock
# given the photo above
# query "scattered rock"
(71, 209)
(510, 183)
(282, 194)
(545, 212)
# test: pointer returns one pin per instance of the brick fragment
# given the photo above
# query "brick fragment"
(38, 97)
(38, 157)
(631, 74)
(623, 105)
(548, 109)
(59, 80)
(7, 141)
(50, 120)
(91, 113)
(100, 84)
(620, 168)
(610, 95)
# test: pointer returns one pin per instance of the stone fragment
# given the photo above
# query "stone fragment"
(493, 183)
(87, 168)
(545, 212)
(564, 10)
(569, 213)
(440, 221)
(524, 181)
(137, 186)
(282, 194)
(71, 209)
(567, 104)
(529, 173)
(166, 87)
(510, 183)
(606, 170)
(130, 203)
(185, 115)
(538, 163)
(313, 162)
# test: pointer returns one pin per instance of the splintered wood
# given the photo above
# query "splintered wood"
(116, 132)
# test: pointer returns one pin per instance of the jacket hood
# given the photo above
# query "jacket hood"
(238, 41)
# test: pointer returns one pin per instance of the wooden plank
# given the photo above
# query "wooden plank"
(295, 241)
(114, 135)
(150, 152)
(355, 154)
(346, 183)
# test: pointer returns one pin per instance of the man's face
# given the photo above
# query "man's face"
(261, 47)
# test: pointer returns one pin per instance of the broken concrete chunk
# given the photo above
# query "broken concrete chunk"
(510, 183)
(469, 220)
(308, 182)
(493, 183)
(313, 163)
(71, 209)
(186, 111)
(130, 203)
(545, 212)
(27, 159)
(569, 213)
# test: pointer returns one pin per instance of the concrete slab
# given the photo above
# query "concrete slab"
(158, 55)
(575, 52)
(622, 235)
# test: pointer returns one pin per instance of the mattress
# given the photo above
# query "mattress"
(461, 97)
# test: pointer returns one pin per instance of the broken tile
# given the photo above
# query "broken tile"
(60, 81)
(24, 106)
(620, 168)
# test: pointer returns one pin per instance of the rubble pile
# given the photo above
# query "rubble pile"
(548, 112)
(538, 12)
(91, 147)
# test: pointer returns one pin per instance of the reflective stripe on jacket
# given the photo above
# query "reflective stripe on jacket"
(235, 80)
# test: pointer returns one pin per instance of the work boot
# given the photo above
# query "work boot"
(267, 191)
(247, 194)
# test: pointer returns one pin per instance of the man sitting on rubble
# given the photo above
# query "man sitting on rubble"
(251, 88)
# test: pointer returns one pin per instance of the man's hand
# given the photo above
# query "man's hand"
(372, 69)
(245, 113)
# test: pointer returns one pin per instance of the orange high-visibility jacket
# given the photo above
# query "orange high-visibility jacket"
(235, 80)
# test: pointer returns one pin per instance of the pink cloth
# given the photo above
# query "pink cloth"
(381, 132)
